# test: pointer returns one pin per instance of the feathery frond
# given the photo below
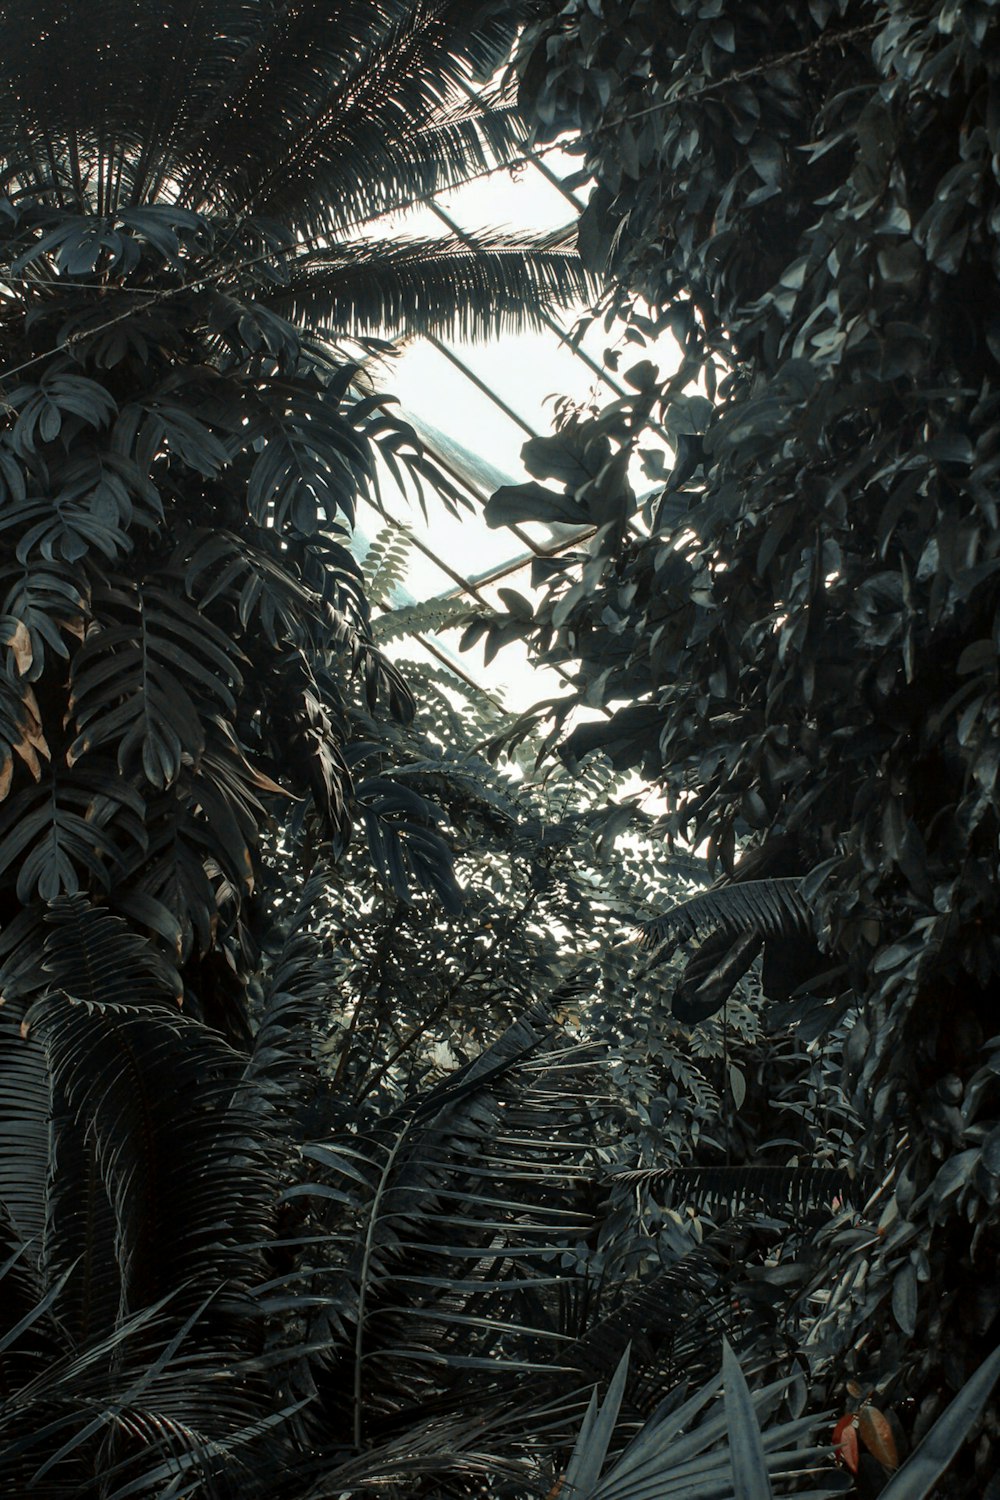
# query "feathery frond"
(771, 908)
(786, 1190)
(444, 285)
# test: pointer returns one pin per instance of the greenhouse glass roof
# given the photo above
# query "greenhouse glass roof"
(474, 405)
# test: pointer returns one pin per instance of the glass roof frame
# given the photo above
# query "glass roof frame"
(458, 462)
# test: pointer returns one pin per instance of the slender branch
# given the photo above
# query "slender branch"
(406, 1042)
(374, 971)
(740, 75)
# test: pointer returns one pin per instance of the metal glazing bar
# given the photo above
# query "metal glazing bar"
(480, 384)
(475, 494)
(549, 321)
(531, 154)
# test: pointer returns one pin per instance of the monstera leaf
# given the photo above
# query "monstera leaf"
(150, 673)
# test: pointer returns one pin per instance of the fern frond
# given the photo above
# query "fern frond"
(426, 617)
(386, 564)
(478, 715)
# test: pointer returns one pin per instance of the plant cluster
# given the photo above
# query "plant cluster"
(798, 641)
(333, 1167)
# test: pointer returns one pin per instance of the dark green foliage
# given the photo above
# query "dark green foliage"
(189, 689)
(694, 1443)
(803, 648)
(554, 871)
(771, 907)
(776, 1188)
(181, 462)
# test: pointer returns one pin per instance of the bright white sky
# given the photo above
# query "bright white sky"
(527, 370)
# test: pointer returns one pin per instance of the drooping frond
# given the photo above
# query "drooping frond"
(434, 285)
(310, 114)
(739, 1189)
(731, 924)
(770, 908)
(292, 126)
(712, 972)
(94, 960)
(184, 1181)
(25, 1108)
(293, 1011)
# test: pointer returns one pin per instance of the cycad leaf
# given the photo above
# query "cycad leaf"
(24, 1135)
(751, 1480)
(93, 959)
(461, 1191)
(777, 1189)
(673, 1321)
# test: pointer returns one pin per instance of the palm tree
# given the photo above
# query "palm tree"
(187, 243)
(185, 252)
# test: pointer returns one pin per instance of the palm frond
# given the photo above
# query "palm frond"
(282, 1071)
(138, 1406)
(698, 1446)
(93, 959)
(255, 108)
(781, 1190)
(456, 1205)
(771, 908)
(313, 159)
(446, 285)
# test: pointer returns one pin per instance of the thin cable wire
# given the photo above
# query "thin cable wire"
(738, 76)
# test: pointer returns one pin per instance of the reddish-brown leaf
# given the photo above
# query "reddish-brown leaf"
(876, 1434)
(845, 1441)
